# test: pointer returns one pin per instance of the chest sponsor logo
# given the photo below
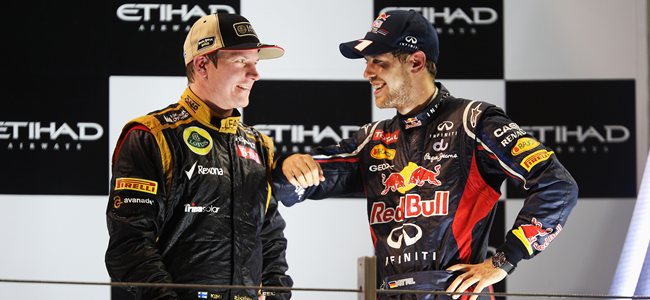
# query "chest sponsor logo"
(201, 170)
(524, 144)
(198, 140)
(440, 145)
(401, 234)
(193, 208)
(381, 152)
(386, 137)
(438, 157)
(136, 184)
(410, 206)
(535, 158)
(412, 122)
(248, 153)
(380, 167)
(229, 125)
(417, 176)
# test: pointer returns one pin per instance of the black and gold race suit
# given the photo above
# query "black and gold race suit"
(432, 182)
(191, 202)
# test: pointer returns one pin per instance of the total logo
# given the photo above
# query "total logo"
(417, 176)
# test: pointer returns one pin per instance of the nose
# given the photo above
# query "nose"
(369, 72)
(252, 72)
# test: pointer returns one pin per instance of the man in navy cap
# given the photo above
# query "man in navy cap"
(432, 174)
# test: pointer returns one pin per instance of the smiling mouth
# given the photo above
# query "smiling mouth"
(246, 88)
(378, 87)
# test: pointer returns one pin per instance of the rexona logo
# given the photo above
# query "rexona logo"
(164, 17)
(198, 140)
(44, 136)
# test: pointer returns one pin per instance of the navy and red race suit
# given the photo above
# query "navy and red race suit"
(432, 181)
(190, 202)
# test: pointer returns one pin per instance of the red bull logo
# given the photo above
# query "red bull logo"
(530, 234)
(410, 206)
(417, 176)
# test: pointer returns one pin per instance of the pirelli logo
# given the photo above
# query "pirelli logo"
(534, 158)
(136, 184)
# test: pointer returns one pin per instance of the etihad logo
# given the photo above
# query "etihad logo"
(136, 184)
(27, 135)
(198, 140)
(535, 158)
(162, 17)
(455, 20)
(381, 152)
(524, 144)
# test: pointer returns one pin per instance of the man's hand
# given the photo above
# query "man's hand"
(302, 170)
(483, 275)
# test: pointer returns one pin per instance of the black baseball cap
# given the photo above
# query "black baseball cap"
(225, 31)
(393, 30)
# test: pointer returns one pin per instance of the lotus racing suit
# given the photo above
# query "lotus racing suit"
(190, 202)
(432, 181)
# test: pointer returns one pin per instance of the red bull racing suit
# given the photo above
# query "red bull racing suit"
(433, 180)
(190, 202)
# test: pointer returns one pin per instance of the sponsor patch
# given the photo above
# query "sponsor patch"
(381, 152)
(534, 158)
(386, 137)
(136, 184)
(524, 144)
(198, 140)
(248, 153)
(229, 125)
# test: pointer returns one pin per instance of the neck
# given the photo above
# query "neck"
(423, 94)
(211, 103)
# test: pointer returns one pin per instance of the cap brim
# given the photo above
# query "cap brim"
(265, 51)
(361, 48)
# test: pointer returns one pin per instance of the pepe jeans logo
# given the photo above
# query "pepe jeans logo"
(198, 140)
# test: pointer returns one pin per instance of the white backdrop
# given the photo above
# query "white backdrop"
(63, 238)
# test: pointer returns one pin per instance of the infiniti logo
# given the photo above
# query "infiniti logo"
(408, 240)
(411, 39)
(445, 125)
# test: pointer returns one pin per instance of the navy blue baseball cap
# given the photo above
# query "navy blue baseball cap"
(393, 30)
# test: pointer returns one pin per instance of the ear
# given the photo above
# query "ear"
(418, 60)
(200, 64)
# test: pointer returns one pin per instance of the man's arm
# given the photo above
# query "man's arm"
(325, 172)
(274, 251)
(506, 151)
(134, 214)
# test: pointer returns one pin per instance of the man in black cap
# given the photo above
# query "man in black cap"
(190, 195)
(432, 174)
